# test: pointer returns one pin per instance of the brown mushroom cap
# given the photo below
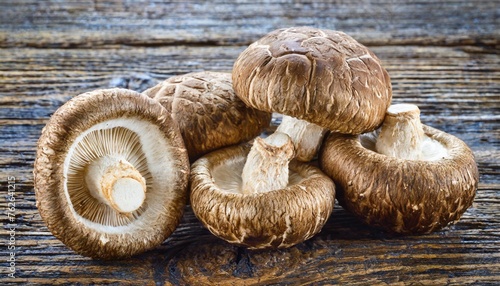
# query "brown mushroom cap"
(209, 114)
(275, 219)
(321, 76)
(125, 124)
(402, 196)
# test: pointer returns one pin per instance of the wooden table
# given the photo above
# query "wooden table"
(441, 55)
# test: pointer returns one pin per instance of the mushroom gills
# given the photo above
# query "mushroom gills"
(113, 147)
(402, 136)
(93, 181)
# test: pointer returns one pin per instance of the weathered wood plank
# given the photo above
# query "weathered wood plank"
(152, 23)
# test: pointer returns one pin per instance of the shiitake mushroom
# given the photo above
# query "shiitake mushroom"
(405, 177)
(111, 174)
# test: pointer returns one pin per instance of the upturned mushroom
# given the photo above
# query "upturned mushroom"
(318, 79)
(406, 177)
(209, 114)
(273, 203)
(111, 174)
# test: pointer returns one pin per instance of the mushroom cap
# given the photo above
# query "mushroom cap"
(151, 141)
(401, 196)
(209, 114)
(274, 219)
(321, 76)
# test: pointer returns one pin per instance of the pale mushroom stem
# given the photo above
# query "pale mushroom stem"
(306, 137)
(266, 168)
(401, 134)
(115, 182)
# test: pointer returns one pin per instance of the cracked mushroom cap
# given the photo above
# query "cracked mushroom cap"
(111, 174)
(209, 114)
(401, 195)
(276, 219)
(321, 76)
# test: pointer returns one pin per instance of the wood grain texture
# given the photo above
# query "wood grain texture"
(441, 55)
(88, 23)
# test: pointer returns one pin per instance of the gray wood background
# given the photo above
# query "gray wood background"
(441, 55)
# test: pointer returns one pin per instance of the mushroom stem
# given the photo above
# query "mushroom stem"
(306, 137)
(402, 134)
(266, 168)
(115, 182)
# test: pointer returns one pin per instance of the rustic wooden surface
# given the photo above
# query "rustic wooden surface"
(441, 55)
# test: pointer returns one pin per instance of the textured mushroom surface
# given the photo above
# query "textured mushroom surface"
(402, 196)
(209, 114)
(275, 219)
(321, 76)
(94, 127)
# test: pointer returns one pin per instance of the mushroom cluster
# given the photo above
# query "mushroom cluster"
(112, 174)
(388, 168)
(319, 80)
(112, 167)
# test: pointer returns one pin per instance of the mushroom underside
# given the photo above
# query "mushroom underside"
(118, 138)
(114, 126)
(402, 196)
(275, 219)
